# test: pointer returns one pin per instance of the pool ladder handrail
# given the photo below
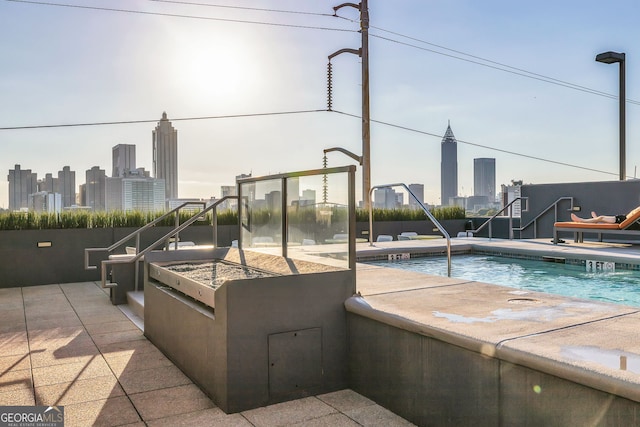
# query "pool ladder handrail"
(426, 211)
(164, 239)
(534, 221)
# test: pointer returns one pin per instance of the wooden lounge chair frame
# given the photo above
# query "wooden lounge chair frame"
(579, 228)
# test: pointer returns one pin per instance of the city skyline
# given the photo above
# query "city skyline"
(70, 65)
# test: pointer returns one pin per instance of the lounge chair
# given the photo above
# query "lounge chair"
(579, 228)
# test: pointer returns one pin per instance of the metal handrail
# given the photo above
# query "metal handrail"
(534, 221)
(135, 234)
(139, 254)
(426, 211)
(508, 206)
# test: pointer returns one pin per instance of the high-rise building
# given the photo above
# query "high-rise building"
(385, 198)
(67, 186)
(448, 167)
(165, 156)
(49, 183)
(44, 201)
(484, 178)
(124, 159)
(21, 184)
(418, 190)
(95, 188)
(135, 194)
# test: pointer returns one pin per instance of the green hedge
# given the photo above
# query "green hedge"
(85, 219)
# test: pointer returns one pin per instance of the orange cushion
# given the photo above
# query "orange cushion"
(595, 226)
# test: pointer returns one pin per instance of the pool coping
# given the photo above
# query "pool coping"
(537, 350)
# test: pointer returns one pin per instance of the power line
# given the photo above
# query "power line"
(242, 8)
(479, 145)
(523, 74)
(129, 122)
(174, 15)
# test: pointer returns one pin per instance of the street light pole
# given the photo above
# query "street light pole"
(611, 58)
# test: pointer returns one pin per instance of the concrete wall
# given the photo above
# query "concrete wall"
(267, 340)
(61, 259)
(606, 198)
(430, 382)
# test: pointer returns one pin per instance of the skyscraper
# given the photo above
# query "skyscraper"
(448, 167)
(67, 186)
(484, 178)
(21, 184)
(124, 159)
(95, 188)
(165, 156)
(418, 190)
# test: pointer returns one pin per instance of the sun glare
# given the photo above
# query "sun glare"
(219, 69)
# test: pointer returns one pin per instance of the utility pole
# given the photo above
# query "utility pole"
(363, 52)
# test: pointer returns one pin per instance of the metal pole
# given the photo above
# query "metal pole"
(623, 174)
(366, 135)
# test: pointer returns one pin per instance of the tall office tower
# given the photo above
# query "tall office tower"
(484, 178)
(165, 156)
(21, 184)
(124, 159)
(448, 167)
(135, 193)
(95, 188)
(385, 198)
(418, 190)
(67, 186)
(48, 184)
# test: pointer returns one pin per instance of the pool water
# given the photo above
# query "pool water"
(621, 286)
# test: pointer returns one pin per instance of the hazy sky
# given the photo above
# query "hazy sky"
(67, 65)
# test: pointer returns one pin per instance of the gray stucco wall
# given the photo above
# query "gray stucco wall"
(606, 198)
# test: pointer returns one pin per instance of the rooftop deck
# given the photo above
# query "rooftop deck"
(66, 345)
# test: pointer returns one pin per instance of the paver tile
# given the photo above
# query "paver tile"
(17, 397)
(110, 327)
(213, 417)
(136, 360)
(138, 381)
(292, 412)
(105, 412)
(377, 416)
(170, 401)
(14, 362)
(78, 391)
(15, 379)
(344, 400)
(93, 367)
(14, 343)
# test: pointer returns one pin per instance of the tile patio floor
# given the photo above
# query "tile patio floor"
(67, 345)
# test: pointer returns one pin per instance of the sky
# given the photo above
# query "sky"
(517, 81)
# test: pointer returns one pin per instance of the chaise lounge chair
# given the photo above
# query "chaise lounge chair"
(579, 228)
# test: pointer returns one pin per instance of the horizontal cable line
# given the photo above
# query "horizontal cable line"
(173, 15)
(557, 83)
(189, 3)
(492, 62)
(129, 122)
(479, 145)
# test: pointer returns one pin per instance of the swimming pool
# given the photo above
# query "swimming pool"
(620, 286)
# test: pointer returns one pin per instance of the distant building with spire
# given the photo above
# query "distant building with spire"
(448, 168)
(165, 156)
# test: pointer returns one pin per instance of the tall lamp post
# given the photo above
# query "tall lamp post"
(610, 58)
